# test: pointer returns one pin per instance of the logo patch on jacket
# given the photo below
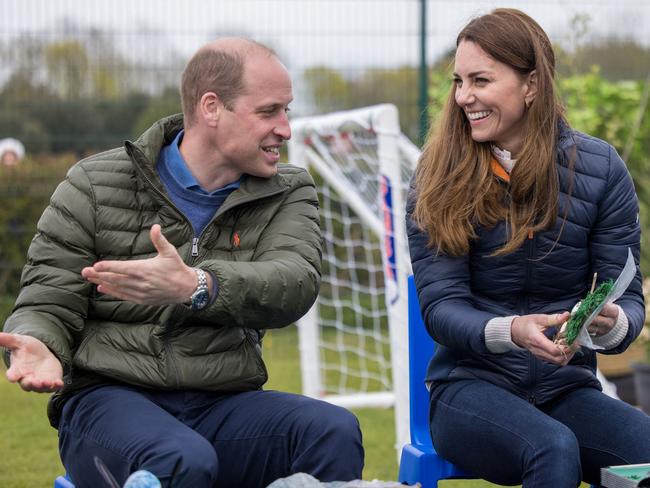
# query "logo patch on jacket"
(235, 239)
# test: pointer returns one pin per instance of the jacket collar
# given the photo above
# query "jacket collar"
(149, 144)
(499, 171)
(565, 138)
(565, 141)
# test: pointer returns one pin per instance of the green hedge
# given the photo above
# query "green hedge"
(25, 191)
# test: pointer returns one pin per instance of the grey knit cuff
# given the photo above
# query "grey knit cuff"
(614, 337)
(498, 336)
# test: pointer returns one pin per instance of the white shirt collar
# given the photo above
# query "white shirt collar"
(504, 158)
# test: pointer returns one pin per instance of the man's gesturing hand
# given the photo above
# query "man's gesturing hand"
(527, 331)
(161, 280)
(33, 365)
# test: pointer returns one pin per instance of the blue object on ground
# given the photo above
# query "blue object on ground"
(139, 479)
(142, 479)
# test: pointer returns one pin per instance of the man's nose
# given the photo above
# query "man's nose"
(283, 128)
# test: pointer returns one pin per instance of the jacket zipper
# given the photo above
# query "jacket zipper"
(172, 367)
(195, 245)
(530, 254)
(224, 208)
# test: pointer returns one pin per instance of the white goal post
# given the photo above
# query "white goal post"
(354, 341)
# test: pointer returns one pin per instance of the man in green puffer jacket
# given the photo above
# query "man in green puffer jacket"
(155, 270)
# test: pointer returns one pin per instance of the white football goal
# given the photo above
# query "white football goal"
(354, 341)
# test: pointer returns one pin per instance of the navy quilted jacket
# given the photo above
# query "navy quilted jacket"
(459, 295)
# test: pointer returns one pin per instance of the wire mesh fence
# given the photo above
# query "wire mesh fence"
(75, 78)
(81, 78)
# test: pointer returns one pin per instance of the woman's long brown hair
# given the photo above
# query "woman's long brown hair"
(455, 187)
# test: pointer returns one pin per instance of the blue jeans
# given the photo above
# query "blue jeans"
(202, 439)
(503, 439)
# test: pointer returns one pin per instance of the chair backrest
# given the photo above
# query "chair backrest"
(421, 348)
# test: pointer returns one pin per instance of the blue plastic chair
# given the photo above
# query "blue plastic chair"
(63, 482)
(420, 463)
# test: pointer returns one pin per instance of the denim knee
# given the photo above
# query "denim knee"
(558, 452)
(558, 438)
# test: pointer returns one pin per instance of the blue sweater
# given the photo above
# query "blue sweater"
(194, 202)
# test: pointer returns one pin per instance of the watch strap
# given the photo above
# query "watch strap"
(201, 295)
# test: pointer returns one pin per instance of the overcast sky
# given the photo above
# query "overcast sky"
(306, 32)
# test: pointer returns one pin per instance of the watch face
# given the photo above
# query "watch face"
(200, 299)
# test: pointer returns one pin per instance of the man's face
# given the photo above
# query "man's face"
(251, 133)
(9, 158)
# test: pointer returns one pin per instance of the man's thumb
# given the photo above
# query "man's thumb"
(9, 341)
(161, 244)
(14, 373)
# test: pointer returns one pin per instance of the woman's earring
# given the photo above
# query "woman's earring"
(527, 102)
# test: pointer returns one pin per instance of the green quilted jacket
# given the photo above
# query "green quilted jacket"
(263, 245)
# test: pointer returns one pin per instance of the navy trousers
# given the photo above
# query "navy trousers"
(502, 438)
(201, 439)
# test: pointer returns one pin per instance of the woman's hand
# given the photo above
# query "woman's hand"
(527, 331)
(605, 321)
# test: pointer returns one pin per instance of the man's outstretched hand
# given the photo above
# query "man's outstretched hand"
(33, 366)
(160, 280)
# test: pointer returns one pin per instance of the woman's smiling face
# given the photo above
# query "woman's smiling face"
(492, 95)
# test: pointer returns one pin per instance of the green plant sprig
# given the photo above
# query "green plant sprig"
(592, 301)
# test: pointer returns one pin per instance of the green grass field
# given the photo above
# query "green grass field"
(28, 445)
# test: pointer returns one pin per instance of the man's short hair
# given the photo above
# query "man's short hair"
(216, 70)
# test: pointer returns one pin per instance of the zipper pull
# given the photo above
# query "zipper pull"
(195, 246)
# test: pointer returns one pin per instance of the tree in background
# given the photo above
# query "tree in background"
(330, 90)
(79, 93)
(617, 59)
(617, 112)
(67, 69)
(25, 191)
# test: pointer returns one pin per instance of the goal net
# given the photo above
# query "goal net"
(354, 341)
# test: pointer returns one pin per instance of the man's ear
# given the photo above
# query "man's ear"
(530, 88)
(209, 108)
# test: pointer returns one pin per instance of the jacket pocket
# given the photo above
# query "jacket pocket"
(222, 358)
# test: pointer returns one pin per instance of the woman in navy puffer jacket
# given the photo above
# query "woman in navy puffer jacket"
(511, 214)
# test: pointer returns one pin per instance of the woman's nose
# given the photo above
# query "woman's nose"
(464, 95)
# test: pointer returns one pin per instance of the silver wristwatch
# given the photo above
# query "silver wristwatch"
(201, 295)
